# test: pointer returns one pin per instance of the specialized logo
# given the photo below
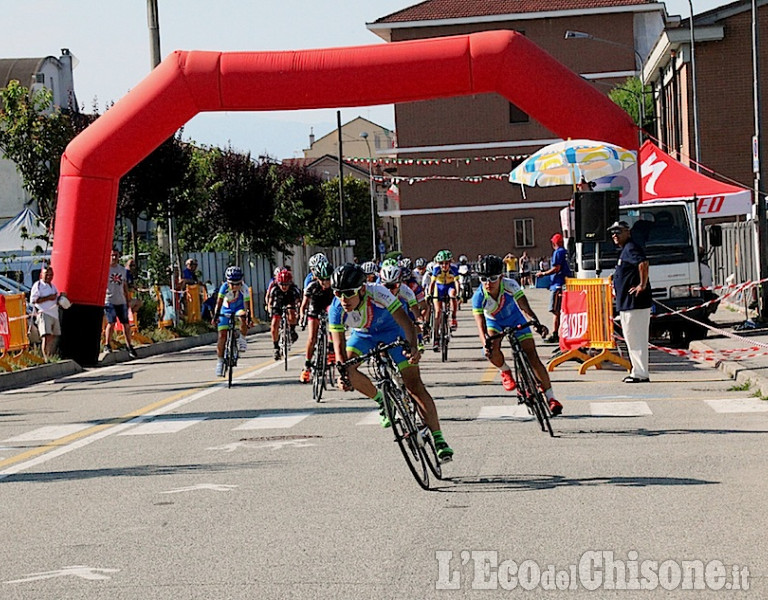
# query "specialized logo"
(652, 167)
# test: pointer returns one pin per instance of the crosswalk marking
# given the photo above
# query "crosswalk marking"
(274, 421)
(163, 425)
(51, 432)
(372, 418)
(738, 405)
(517, 412)
(619, 409)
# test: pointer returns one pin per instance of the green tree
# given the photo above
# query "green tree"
(629, 95)
(34, 134)
(325, 228)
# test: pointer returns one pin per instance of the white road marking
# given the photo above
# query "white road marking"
(372, 418)
(51, 432)
(273, 421)
(164, 425)
(619, 409)
(738, 405)
(517, 412)
(81, 571)
(214, 487)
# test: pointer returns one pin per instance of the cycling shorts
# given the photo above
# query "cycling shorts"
(360, 343)
(517, 318)
(443, 290)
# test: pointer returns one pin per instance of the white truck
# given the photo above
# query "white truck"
(673, 254)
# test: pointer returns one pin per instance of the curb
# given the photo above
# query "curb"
(737, 372)
(64, 368)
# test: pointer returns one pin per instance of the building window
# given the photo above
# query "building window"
(39, 77)
(524, 233)
(516, 115)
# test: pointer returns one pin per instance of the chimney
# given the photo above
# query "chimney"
(311, 137)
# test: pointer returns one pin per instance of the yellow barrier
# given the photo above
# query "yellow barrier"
(193, 303)
(599, 326)
(17, 353)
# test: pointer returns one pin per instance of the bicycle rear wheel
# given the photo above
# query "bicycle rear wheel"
(406, 434)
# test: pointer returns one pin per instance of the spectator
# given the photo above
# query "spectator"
(189, 273)
(559, 270)
(115, 304)
(45, 298)
(525, 270)
(510, 264)
(633, 296)
(131, 280)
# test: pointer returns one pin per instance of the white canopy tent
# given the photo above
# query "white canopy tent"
(20, 236)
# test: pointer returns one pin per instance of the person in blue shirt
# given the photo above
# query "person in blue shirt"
(499, 303)
(559, 270)
(373, 314)
(233, 299)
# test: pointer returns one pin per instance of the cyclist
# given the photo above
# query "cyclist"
(371, 271)
(314, 260)
(284, 295)
(419, 266)
(374, 315)
(420, 310)
(444, 286)
(317, 299)
(465, 279)
(500, 303)
(233, 297)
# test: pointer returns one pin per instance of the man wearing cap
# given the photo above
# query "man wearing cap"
(633, 299)
(559, 270)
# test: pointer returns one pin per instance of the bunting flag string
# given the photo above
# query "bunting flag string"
(434, 161)
(467, 178)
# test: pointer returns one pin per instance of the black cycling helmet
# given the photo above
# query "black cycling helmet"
(348, 276)
(234, 274)
(490, 265)
(322, 270)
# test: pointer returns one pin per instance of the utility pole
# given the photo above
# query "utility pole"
(759, 154)
(341, 185)
(153, 22)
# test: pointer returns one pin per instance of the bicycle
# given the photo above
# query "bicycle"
(411, 433)
(443, 333)
(527, 387)
(321, 369)
(231, 353)
(284, 336)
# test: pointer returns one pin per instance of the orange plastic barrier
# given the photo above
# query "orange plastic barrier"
(599, 306)
(17, 351)
(193, 303)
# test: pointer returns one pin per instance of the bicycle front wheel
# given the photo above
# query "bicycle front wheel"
(534, 397)
(231, 355)
(444, 336)
(406, 434)
(284, 341)
(426, 441)
(318, 367)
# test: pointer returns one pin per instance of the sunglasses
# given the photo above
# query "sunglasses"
(391, 286)
(346, 293)
(491, 279)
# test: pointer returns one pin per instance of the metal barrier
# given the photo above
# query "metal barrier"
(599, 326)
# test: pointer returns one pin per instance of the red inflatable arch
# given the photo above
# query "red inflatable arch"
(187, 83)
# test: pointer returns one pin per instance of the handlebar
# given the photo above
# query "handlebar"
(378, 349)
(509, 331)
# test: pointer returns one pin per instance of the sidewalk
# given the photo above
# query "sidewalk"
(63, 368)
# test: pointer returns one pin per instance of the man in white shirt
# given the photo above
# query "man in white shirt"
(44, 297)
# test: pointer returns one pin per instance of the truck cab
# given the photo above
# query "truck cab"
(673, 254)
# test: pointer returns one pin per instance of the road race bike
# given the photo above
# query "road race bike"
(527, 386)
(231, 353)
(322, 369)
(443, 332)
(284, 335)
(411, 433)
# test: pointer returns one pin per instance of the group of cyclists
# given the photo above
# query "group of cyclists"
(369, 304)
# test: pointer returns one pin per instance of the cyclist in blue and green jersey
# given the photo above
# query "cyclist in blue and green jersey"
(499, 303)
(374, 315)
(233, 297)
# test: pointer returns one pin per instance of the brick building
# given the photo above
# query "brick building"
(724, 82)
(495, 216)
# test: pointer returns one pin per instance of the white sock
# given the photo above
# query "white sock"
(505, 367)
(549, 394)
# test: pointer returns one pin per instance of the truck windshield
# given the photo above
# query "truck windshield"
(669, 239)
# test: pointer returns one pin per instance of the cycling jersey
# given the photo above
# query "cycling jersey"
(416, 288)
(408, 300)
(320, 298)
(442, 281)
(308, 279)
(503, 312)
(370, 323)
(233, 300)
(278, 298)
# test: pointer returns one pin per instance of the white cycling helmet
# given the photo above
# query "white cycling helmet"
(369, 268)
(317, 258)
(390, 274)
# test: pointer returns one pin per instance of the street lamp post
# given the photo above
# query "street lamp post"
(581, 35)
(697, 146)
(364, 135)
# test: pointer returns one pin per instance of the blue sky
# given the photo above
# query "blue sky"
(111, 42)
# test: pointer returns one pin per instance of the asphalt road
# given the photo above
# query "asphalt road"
(150, 479)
